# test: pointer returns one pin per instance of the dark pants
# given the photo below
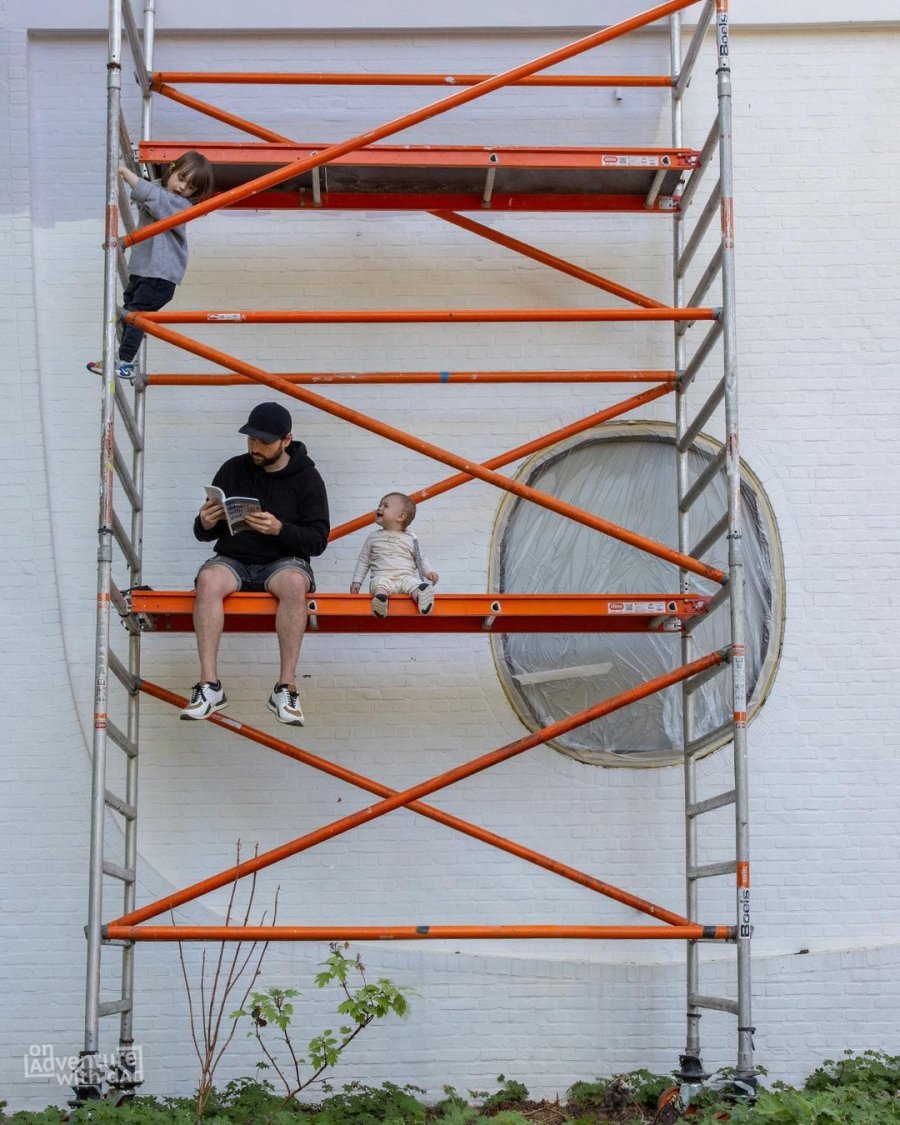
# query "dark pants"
(142, 294)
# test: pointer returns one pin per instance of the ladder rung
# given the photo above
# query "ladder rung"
(114, 802)
(712, 536)
(700, 228)
(707, 278)
(121, 673)
(712, 470)
(722, 596)
(697, 682)
(715, 1002)
(709, 147)
(693, 50)
(126, 480)
(123, 742)
(702, 417)
(127, 415)
(710, 870)
(718, 802)
(126, 874)
(111, 1007)
(125, 544)
(699, 356)
(121, 267)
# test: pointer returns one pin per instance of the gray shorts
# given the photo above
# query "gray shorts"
(255, 577)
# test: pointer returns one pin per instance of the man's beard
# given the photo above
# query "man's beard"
(263, 462)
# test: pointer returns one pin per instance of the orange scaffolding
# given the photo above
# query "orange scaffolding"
(277, 172)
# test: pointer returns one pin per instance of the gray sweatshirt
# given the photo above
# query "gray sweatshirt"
(165, 255)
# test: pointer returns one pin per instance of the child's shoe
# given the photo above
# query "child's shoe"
(425, 598)
(124, 371)
(380, 605)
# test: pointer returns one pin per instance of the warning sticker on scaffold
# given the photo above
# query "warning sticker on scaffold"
(610, 160)
(636, 607)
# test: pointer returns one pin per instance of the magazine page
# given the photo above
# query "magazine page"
(236, 508)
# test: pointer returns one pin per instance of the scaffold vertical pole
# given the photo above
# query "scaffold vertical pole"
(89, 1085)
(126, 1058)
(745, 1072)
(690, 1063)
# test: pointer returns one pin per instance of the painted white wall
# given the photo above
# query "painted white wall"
(817, 260)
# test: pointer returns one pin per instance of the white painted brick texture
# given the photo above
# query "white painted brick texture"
(818, 342)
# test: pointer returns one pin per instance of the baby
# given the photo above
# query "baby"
(393, 556)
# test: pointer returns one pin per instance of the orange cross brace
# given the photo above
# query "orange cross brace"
(419, 445)
(546, 259)
(525, 70)
(429, 811)
(408, 796)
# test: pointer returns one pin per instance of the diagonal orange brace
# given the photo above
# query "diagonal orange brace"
(407, 796)
(361, 140)
(357, 418)
(514, 454)
(222, 115)
(447, 819)
(546, 259)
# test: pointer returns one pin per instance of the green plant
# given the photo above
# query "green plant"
(272, 1013)
(873, 1071)
(369, 1105)
(510, 1091)
(207, 1009)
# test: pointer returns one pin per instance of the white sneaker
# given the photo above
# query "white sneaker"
(206, 699)
(425, 598)
(285, 705)
(380, 605)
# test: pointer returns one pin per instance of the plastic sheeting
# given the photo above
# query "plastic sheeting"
(628, 478)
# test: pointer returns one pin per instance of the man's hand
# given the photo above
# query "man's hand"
(432, 576)
(354, 587)
(210, 514)
(264, 522)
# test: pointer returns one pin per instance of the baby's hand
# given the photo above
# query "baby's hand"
(354, 587)
(432, 576)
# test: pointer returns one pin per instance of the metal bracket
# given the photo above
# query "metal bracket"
(488, 622)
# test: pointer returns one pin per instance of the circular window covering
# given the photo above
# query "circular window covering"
(626, 474)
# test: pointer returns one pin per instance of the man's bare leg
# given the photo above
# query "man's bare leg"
(290, 587)
(214, 584)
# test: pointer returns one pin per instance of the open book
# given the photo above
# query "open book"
(236, 508)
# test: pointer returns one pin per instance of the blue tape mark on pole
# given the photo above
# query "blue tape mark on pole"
(445, 376)
(422, 929)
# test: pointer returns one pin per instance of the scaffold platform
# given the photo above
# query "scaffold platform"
(446, 177)
(170, 611)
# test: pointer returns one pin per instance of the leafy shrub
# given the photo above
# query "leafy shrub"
(872, 1071)
(370, 1105)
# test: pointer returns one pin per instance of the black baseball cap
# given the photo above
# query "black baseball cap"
(268, 422)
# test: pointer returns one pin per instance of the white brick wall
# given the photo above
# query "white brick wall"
(817, 235)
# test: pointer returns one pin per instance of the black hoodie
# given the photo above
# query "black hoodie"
(295, 494)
